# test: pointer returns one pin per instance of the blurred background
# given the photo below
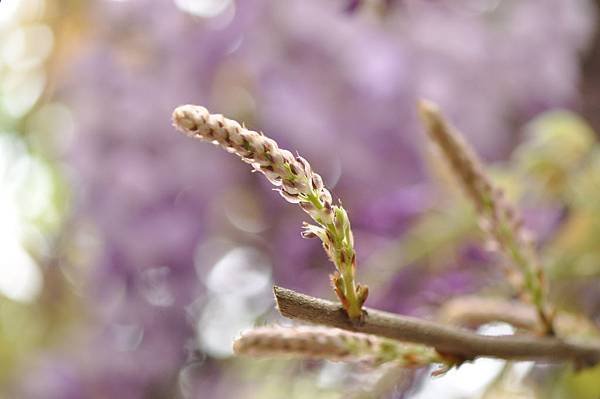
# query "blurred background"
(131, 257)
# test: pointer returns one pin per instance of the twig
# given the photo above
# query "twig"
(474, 311)
(447, 340)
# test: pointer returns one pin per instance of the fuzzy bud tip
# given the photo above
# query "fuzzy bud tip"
(187, 117)
(427, 106)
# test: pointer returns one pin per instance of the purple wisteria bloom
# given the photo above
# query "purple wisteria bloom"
(190, 241)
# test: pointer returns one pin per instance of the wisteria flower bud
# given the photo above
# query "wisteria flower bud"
(497, 218)
(296, 183)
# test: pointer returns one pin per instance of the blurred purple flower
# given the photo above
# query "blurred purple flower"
(418, 290)
(339, 88)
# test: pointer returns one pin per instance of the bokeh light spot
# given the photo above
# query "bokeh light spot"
(242, 272)
(22, 90)
(28, 46)
(203, 8)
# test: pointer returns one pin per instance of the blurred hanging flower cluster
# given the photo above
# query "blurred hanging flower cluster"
(180, 245)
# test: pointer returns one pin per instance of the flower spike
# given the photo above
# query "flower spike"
(313, 342)
(498, 218)
(296, 182)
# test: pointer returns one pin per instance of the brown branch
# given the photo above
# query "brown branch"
(474, 311)
(446, 339)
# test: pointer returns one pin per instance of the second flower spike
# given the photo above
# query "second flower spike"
(498, 218)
